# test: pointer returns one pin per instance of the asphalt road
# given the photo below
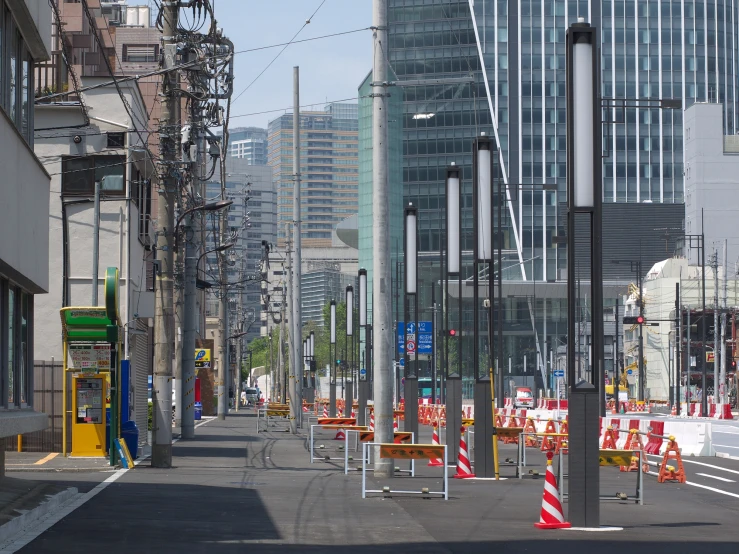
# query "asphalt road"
(232, 490)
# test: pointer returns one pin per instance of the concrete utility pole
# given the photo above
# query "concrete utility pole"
(724, 305)
(296, 375)
(161, 453)
(717, 360)
(240, 332)
(382, 278)
(223, 354)
(186, 406)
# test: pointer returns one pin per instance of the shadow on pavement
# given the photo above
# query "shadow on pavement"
(156, 517)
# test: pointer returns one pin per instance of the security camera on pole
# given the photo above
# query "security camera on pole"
(349, 384)
(453, 263)
(364, 368)
(584, 204)
(332, 370)
(410, 390)
(486, 459)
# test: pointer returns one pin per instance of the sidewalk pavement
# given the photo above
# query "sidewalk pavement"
(21, 462)
(233, 490)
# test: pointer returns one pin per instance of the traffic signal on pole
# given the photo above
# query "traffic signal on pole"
(452, 332)
(634, 320)
(338, 362)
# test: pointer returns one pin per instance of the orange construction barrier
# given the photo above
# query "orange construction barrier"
(547, 443)
(560, 443)
(670, 473)
(634, 442)
(531, 440)
(511, 423)
(609, 440)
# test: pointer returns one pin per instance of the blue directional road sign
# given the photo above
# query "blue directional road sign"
(629, 371)
(424, 339)
(559, 372)
(402, 362)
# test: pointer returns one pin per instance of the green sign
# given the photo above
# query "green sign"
(95, 324)
(111, 294)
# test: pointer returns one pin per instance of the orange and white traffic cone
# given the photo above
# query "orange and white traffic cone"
(325, 410)
(395, 424)
(372, 421)
(464, 469)
(436, 462)
(552, 516)
(673, 411)
(340, 435)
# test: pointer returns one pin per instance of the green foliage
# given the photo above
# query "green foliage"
(260, 347)
(150, 416)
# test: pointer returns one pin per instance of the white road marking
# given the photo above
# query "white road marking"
(726, 432)
(724, 479)
(725, 446)
(712, 489)
(703, 464)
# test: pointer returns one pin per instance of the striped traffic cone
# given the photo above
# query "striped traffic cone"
(436, 462)
(325, 410)
(395, 424)
(551, 516)
(372, 421)
(464, 469)
(340, 436)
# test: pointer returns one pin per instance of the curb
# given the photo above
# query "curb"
(19, 524)
(726, 456)
(61, 470)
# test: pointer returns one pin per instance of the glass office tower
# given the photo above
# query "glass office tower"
(650, 49)
(328, 167)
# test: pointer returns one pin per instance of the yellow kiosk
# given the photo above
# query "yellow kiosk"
(88, 415)
(91, 343)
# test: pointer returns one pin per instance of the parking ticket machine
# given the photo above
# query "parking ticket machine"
(89, 392)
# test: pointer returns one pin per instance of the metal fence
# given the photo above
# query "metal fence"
(47, 398)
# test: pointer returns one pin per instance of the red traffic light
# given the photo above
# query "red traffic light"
(640, 319)
(452, 332)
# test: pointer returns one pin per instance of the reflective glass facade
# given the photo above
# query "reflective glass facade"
(650, 49)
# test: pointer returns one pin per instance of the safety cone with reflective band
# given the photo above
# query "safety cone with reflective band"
(464, 469)
(435, 462)
(395, 424)
(325, 410)
(552, 516)
(372, 421)
(673, 411)
(340, 436)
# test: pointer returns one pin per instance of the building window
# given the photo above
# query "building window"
(10, 342)
(79, 175)
(15, 346)
(16, 77)
(140, 53)
(116, 140)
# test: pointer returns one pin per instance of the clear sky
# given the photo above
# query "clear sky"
(330, 69)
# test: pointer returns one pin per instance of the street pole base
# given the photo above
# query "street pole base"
(564, 525)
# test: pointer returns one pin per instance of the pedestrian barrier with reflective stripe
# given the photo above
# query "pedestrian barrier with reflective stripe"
(405, 452)
(332, 427)
(399, 437)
